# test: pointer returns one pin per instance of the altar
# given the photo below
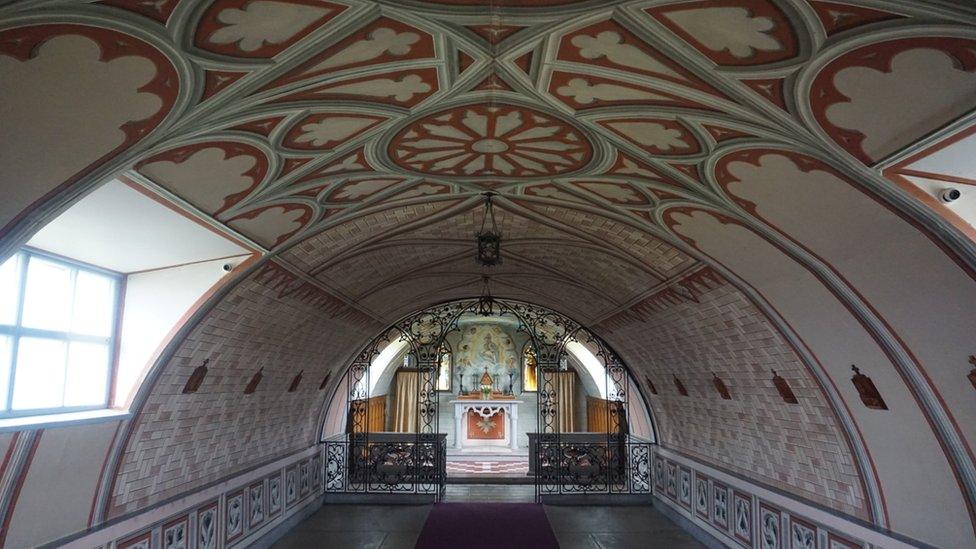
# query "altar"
(486, 425)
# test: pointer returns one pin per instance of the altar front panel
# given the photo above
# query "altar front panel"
(486, 428)
(474, 430)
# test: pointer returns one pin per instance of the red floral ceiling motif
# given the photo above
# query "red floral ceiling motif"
(490, 140)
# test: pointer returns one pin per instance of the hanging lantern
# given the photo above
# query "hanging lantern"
(489, 239)
(486, 303)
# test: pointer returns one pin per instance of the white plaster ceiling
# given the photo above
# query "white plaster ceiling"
(119, 228)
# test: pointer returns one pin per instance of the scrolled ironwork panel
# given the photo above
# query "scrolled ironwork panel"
(335, 466)
(640, 468)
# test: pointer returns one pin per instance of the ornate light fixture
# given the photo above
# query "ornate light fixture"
(486, 303)
(489, 240)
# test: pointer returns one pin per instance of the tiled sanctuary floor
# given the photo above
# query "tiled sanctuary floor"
(398, 526)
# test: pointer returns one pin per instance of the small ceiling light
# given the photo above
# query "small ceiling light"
(650, 385)
(866, 389)
(196, 378)
(253, 384)
(679, 386)
(721, 387)
(489, 239)
(294, 383)
(784, 389)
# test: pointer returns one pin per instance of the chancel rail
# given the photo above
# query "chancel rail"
(386, 463)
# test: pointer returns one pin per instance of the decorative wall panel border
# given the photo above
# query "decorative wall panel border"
(740, 513)
(234, 513)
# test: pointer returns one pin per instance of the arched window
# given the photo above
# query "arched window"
(530, 370)
(445, 370)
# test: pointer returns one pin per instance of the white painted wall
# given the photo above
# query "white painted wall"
(155, 301)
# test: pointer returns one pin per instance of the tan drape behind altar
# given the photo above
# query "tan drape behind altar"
(566, 401)
(405, 403)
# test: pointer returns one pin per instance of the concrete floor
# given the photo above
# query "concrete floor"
(398, 526)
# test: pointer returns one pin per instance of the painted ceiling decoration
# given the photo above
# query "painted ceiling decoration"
(630, 144)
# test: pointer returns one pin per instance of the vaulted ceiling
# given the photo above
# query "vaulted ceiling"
(353, 139)
(784, 157)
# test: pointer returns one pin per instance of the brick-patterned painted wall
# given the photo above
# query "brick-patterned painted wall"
(798, 448)
(272, 320)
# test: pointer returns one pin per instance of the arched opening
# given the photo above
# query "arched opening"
(442, 396)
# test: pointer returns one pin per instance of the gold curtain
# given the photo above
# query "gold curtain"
(597, 415)
(372, 412)
(405, 403)
(566, 401)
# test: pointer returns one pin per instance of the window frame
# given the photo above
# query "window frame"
(17, 331)
(525, 350)
(445, 350)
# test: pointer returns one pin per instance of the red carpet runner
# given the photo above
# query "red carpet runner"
(487, 526)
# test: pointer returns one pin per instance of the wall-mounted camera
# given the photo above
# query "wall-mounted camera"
(950, 195)
(231, 265)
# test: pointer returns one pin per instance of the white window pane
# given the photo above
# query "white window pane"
(9, 289)
(39, 377)
(6, 350)
(94, 304)
(87, 376)
(47, 300)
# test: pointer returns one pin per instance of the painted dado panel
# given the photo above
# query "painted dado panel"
(900, 439)
(233, 512)
(740, 513)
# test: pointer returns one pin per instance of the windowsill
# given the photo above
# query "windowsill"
(61, 420)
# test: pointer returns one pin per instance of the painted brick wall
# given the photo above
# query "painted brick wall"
(798, 448)
(654, 252)
(272, 321)
(314, 250)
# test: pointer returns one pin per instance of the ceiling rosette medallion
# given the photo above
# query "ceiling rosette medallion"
(490, 140)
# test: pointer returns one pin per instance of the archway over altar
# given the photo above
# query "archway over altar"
(492, 391)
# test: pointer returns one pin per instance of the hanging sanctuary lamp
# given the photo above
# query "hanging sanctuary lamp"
(489, 239)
